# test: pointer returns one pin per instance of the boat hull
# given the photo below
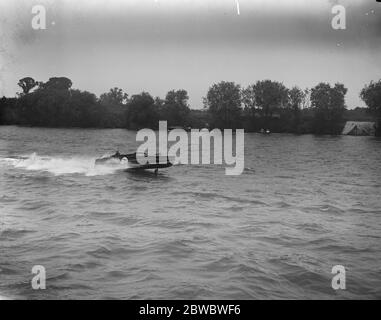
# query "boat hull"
(133, 164)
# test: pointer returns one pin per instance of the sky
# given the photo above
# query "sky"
(160, 45)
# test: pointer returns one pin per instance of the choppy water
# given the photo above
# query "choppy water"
(303, 205)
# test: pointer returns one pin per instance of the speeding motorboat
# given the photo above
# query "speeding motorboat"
(154, 162)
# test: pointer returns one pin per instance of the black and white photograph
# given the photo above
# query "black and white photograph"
(191, 150)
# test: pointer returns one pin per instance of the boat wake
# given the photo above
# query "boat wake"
(64, 165)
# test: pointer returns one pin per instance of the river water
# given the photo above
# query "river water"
(303, 205)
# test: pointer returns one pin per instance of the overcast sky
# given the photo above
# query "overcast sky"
(159, 45)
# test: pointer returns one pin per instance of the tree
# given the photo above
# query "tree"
(142, 112)
(8, 111)
(248, 99)
(329, 106)
(175, 108)
(306, 103)
(295, 102)
(250, 111)
(44, 106)
(179, 97)
(262, 100)
(270, 96)
(54, 104)
(223, 102)
(115, 96)
(113, 105)
(3, 104)
(81, 110)
(371, 95)
(57, 83)
(27, 84)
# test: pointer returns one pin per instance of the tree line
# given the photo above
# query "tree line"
(264, 105)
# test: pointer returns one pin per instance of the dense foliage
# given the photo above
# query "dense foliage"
(371, 95)
(263, 105)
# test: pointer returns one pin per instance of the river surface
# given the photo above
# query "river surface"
(303, 205)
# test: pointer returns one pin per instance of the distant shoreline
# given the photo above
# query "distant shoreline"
(265, 106)
(155, 129)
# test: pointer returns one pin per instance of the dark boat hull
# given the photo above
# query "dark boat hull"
(150, 166)
(134, 164)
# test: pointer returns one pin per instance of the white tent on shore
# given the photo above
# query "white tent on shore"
(357, 128)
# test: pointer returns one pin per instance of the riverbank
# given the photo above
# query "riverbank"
(319, 110)
(356, 115)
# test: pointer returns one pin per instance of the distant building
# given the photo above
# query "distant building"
(357, 128)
